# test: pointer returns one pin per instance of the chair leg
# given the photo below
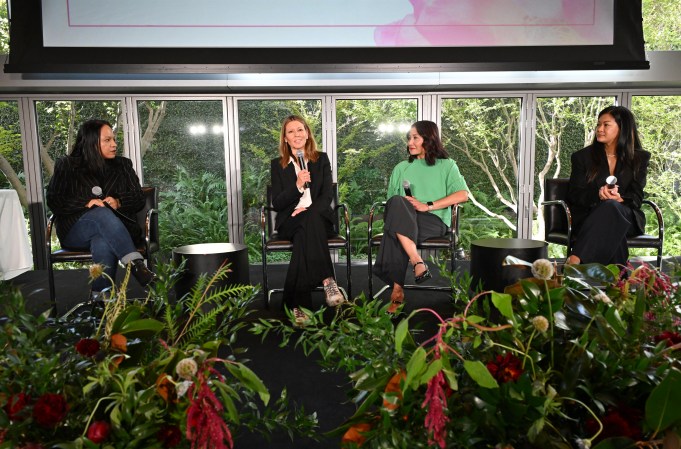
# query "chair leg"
(349, 273)
(370, 274)
(265, 291)
(50, 282)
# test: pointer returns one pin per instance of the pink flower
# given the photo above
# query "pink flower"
(98, 431)
(87, 347)
(50, 409)
(205, 426)
(436, 403)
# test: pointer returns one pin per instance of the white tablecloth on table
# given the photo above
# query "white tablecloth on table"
(15, 247)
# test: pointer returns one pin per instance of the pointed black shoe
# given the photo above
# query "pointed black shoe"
(143, 275)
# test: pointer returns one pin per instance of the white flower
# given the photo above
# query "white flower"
(183, 387)
(583, 444)
(542, 269)
(602, 297)
(540, 323)
(186, 368)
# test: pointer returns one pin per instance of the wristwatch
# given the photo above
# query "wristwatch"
(430, 205)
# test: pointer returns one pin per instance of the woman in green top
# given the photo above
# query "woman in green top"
(420, 193)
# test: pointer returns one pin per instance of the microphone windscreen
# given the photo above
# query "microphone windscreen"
(97, 191)
(407, 187)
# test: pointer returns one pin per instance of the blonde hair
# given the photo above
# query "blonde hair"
(285, 150)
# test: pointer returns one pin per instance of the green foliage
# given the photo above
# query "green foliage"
(558, 363)
(195, 211)
(150, 367)
(662, 24)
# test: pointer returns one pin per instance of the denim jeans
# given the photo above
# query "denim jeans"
(100, 231)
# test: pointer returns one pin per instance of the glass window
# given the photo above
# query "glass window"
(183, 155)
(564, 125)
(481, 135)
(370, 140)
(259, 129)
(659, 124)
(661, 24)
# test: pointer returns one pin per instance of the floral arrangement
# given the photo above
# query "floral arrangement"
(586, 359)
(135, 374)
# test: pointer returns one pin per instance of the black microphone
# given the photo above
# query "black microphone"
(407, 187)
(301, 162)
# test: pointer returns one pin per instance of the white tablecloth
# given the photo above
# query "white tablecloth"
(15, 247)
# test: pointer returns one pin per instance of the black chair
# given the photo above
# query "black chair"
(450, 242)
(147, 219)
(271, 242)
(558, 220)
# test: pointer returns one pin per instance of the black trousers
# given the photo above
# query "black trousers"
(602, 237)
(401, 218)
(310, 259)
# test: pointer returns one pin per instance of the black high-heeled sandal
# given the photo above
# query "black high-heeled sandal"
(423, 277)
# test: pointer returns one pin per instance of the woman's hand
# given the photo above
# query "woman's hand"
(606, 193)
(419, 206)
(298, 210)
(108, 201)
(303, 177)
(112, 202)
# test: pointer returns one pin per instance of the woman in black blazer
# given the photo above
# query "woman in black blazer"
(604, 215)
(302, 196)
(89, 191)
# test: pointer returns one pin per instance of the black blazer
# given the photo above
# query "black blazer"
(71, 185)
(583, 195)
(285, 194)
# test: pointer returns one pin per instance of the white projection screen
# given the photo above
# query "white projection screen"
(314, 36)
(326, 23)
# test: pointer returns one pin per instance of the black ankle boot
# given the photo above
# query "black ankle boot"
(142, 273)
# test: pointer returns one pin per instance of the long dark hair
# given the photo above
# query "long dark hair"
(628, 142)
(431, 141)
(285, 150)
(86, 148)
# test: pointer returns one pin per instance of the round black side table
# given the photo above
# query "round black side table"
(487, 256)
(206, 258)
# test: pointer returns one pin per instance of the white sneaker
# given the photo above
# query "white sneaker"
(334, 297)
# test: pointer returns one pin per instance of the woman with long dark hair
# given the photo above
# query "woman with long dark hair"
(302, 196)
(89, 189)
(421, 192)
(603, 213)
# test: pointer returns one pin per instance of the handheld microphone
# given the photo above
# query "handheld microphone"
(611, 181)
(407, 187)
(301, 162)
(97, 192)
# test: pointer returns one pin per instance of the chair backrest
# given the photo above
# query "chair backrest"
(272, 214)
(555, 219)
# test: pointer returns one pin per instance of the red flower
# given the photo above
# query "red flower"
(16, 405)
(505, 368)
(87, 347)
(436, 402)
(50, 409)
(169, 435)
(98, 431)
(672, 338)
(624, 421)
